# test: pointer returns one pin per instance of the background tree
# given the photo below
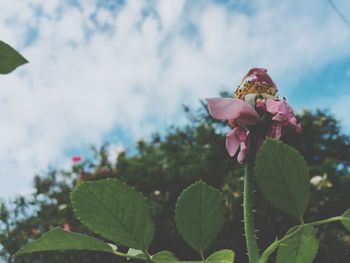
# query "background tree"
(165, 164)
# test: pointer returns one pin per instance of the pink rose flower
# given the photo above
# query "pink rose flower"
(255, 104)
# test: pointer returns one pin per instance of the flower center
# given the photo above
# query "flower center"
(254, 87)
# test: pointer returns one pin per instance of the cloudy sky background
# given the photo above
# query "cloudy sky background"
(117, 71)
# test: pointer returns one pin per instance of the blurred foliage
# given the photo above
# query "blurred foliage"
(165, 164)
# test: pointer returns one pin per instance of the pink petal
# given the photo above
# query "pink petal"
(279, 106)
(280, 117)
(242, 135)
(260, 104)
(296, 126)
(227, 108)
(272, 106)
(242, 153)
(232, 141)
(259, 74)
(276, 131)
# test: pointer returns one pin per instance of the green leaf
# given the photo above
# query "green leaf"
(346, 219)
(164, 256)
(115, 211)
(58, 240)
(222, 256)
(299, 248)
(10, 59)
(282, 175)
(200, 215)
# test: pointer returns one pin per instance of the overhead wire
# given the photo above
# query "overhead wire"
(340, 14)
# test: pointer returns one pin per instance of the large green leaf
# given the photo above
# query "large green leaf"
(282, 175)
(115, 211)
(164, 257)
(58, 240)
(200, 215)
(299, 248)
(10, 59)
(222, 256)
(346, 219)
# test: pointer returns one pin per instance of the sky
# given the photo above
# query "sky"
(117, 71)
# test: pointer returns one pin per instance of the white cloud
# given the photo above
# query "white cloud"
(113, 152)
(93, 69)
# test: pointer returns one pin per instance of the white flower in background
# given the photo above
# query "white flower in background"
(321, 182)
(316, 180)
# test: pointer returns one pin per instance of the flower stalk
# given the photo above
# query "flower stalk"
(254, 113)
(249, 229)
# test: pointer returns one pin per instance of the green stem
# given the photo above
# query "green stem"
(268, 251)
(252, 247)
(325, 221)
(202, 257)
(148, 256)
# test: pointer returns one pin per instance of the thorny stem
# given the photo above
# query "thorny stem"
(325, 221)
(252, 247)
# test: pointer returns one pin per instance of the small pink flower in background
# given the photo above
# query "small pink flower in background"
(283, 116)
(67, 227)
(76, 159)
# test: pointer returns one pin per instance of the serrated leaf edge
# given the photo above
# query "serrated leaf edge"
(293, 150)
(179, 199)
(218, 251)
(19, 253)
(112, 180)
